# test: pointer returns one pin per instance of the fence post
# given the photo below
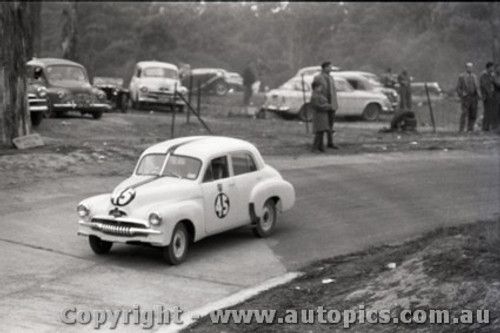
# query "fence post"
(198, 99)
(430, 108)
(305, 108)
(189, 96)
(174, 107)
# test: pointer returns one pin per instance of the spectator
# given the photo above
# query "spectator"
(249, 79)
(495, 121)
(469, 94)
(404, 81)
(325, 80)
(486, 83)
(320, 124)
(388, 79)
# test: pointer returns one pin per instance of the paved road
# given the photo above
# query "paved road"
(344, 204)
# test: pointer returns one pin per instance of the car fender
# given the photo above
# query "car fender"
(271, 188)
(191, 210)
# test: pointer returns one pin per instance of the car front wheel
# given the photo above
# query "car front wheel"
(371, 112)
(97, 114)
(36, 118)
(265, 226)
(176, 252)
(98, 245)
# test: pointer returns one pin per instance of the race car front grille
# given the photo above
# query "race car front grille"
(116, 230)
(118, 223)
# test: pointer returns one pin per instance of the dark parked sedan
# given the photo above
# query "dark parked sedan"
(213, 81)
(68, 87)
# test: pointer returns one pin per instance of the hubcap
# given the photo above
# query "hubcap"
(179, 244)
(267, 219)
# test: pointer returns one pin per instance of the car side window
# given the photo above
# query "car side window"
(354, 84)
(243, 163)
(217, 169)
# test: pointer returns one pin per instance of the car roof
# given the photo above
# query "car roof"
(207, 70)
(202, 147)
(44, 62)
(353, 74)
(314, 68)
(154, 63)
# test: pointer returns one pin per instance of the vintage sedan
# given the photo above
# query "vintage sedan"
(369, 81)
(68, 87)
(116, 94)
(215, 81)
(156, 83)
(288, 99)
(186, 189)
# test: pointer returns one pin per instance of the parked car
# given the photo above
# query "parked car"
(313, 70)
(213, 80)
(186, 189)
(37, 98)
(288, 99)
(68, 87)
(368, 81)
(420, 97)
(116, 95)
(154, 84)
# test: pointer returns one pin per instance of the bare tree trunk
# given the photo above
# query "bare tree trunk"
(14, 43)
(495, 31)
(36, 28)
(69, 30)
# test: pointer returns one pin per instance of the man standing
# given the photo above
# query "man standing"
(469, 94)
(249, 79)
(388, 79)
(495, 120)
(327, 88)
(486, 83)
(404, 81)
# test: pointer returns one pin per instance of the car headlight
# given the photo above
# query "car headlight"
(41, 91)
(143, 89)
(155, 219)
(60, 94)
(83, 211)
(101, 95)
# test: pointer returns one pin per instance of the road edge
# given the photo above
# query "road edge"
(236, 298)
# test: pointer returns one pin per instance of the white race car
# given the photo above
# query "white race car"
(183, 190)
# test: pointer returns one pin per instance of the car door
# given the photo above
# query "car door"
(220, 196)
(345, 98)
(246, 177)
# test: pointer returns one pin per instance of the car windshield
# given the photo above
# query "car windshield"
(60, 73)
(177, 166)
(160, 72)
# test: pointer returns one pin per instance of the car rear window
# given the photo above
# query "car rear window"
(243, 163)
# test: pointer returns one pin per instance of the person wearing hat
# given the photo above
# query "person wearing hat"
(327, 88)
(469, 93)
(486, 83)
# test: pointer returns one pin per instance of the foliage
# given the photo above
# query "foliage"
(432, 40)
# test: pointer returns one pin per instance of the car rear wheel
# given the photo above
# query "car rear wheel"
(97, 115)
(371, 112)
(177, 251)
(98, 245)
(265, 226)
(36, 118)
(221, 88)
(306, 112)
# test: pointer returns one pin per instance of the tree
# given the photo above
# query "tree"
(15, 42)
(69, 31)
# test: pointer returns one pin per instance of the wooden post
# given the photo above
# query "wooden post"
(304, 98)
(190, 92)
(430, 108)
(198, 104)
(174, 107)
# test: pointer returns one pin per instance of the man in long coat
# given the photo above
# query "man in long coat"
(404, 81)
(327, 84)
(486, 83)
(321, 109)
(470, 94)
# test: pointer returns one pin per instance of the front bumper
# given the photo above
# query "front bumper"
(119, 230)
(91, 107)
(37, 104)
(160, 98)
